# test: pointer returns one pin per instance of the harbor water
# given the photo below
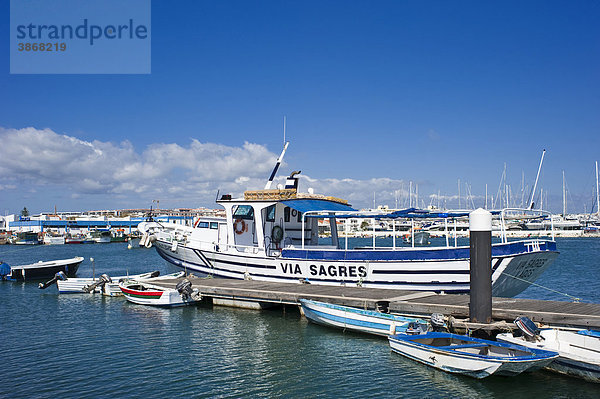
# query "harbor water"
(73, 346)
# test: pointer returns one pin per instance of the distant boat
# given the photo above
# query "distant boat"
(419, 237)
(99, 236)
(119, 236)
(472, 357)
(41, 269)
(365, 321)
(144, 293)
(74, 239)
(578, 350)
(27, 238)
(54, 239)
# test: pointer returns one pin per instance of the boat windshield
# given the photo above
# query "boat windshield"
(244, 212)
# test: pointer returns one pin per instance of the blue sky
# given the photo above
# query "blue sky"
(376, 94)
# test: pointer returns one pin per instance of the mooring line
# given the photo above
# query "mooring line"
(574, 298)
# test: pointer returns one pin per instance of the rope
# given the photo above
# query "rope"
(574, 298)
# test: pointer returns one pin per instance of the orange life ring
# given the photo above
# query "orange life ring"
(239, 226)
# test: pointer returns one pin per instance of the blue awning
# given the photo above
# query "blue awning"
(305, 205)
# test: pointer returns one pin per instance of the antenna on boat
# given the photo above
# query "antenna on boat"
(536, 181)
(268, 185)
(284, 117)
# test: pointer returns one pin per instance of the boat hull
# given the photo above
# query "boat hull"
(579, 355)
(514, 266)
(347, 318)
(470, 360)
(154, 296)
(41, 270)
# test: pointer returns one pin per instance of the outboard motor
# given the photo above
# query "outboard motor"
(415, 328)
(437, 322)
(184, 287)
(57, 276)
(382, 306)
(98, 284)
(528, 328)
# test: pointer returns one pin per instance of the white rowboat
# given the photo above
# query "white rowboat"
(472, 357)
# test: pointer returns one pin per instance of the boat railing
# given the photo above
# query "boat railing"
(407, 214)
(523, 214)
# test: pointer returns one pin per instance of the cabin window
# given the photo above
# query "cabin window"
(270, 214)
(203, 225)
(286, 214)
(299, 217)
(244, 212)
(214, 225)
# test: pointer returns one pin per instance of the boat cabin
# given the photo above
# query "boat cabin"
(276, 218)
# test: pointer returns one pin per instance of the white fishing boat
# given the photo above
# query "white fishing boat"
(578, 350)
(360, 320)
(26, 238)
(108, 286)
(145, 293)
(54, 239)
(99, 236)
(472, 357)
(41, 269)
(272, 235)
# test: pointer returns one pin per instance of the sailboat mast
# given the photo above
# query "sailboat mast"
(564, 196)
(536, 181)
(597, 193)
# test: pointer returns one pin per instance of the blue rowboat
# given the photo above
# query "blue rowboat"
(474, 357)
(366, 321)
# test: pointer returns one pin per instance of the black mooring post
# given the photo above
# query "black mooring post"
(480, 305)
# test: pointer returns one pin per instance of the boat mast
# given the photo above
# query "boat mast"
(597, 193)
(536, 181)
(268, 185)
(458, 193)
(564, 196)
(486, 194)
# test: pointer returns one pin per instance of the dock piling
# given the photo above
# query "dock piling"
(480, 304)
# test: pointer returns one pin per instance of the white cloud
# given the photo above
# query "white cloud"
(177, 175)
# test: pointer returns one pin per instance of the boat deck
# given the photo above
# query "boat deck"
(403, 302)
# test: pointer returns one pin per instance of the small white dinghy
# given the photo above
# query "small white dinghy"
(578, 350)
(144, 293)
(474, 357)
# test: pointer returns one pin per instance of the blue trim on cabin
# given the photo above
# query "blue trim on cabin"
(498, 250)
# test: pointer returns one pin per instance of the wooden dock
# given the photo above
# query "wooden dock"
(586, 315)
